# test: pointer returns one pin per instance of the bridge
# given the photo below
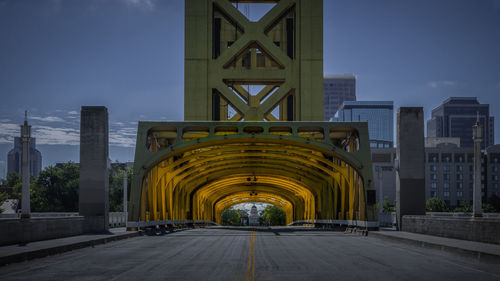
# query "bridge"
(253, 129)
(253, 132)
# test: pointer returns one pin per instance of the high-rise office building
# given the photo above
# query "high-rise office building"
(15, 157)
(455, 118)
(378, 114)
(337, 89)
(3, 169)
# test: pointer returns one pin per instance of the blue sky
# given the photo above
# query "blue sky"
(57, 55)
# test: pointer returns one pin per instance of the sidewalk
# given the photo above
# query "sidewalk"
(477, 250)
(16, 253)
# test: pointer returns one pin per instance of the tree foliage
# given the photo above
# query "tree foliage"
(13, 179)
(435, 205)
(3, 197)
(116, 187)
(230, 216)
(56, 189)
(464, 207)
(273, 215)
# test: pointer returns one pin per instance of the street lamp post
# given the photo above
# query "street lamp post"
(477, 136)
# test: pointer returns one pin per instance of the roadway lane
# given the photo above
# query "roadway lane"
(241, 254)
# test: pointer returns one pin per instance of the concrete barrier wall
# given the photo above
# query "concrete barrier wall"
(15, 231)
(466, 228)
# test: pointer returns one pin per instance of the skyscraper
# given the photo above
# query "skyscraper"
(337, 89)
(378, 114)
(15, 157)
(455, 118)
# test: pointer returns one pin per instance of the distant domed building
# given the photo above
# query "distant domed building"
(253, 219)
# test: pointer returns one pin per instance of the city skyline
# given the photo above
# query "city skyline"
(128, 56)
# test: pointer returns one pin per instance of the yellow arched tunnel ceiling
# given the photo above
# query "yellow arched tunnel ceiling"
(199, 181)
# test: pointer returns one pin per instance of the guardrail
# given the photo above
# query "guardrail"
(167, 222)
(339, 222)
(116, 219)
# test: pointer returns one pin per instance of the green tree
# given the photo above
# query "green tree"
(386, 207)
(116, 187)
(230, 216)
(274, 216)
(56, 189)
(13, 179)
(3, 197)
(464, 207)
(488, 208)
(435, 205)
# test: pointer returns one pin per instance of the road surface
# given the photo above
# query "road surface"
(244, 254)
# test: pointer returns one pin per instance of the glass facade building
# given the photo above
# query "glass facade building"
(378, 114)
(337, 89)
(455, 118)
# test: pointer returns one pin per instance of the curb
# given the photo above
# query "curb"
(462, 252)
(40, 253)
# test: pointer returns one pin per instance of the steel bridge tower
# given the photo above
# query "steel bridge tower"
(253, 129)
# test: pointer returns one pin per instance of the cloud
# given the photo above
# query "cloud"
(439, 84)
(248, 206)
(123, 137)
(143, 4)
(73, 112)
(47, 119)
(8, 131)
(55, 135)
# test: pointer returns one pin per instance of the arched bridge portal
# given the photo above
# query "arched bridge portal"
(315, 171)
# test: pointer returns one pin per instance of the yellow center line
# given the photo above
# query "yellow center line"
(251, 258)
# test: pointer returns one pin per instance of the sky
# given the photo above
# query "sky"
(128, 55)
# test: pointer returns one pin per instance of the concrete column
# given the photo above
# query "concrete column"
(125, 199)
(25, 168)
(477, 136)
(94, 178)
(410, 166)
(378, 169)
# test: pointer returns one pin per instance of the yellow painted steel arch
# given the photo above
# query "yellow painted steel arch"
(186, 183)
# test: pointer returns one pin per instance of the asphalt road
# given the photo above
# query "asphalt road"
(243, 254)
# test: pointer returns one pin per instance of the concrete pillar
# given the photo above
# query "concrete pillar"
(94, 178)
(25, 168)
(477, 136)
(410, 166)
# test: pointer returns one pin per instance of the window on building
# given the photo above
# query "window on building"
(446, 159)
(433, 194)
(460, 177)
(494, 177)
(433, 168)
(460, 168)
(446, 194)
(446, 168)
(446, 185)
(433, 185)
(460, 185)
(459, 193)
(495, 168)
(471, 169)
(446, 177)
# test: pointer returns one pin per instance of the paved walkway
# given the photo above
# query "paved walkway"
(16, 253)
(470, 248)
